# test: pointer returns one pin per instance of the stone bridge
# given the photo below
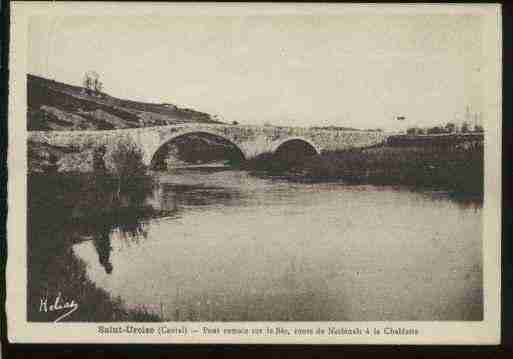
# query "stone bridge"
(251, 140)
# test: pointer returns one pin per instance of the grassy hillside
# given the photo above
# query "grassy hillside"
(57, 106)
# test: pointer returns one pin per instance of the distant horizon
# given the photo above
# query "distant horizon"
(285, 70)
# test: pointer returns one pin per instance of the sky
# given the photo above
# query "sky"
(354, 70)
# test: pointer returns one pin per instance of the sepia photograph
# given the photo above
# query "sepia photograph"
(256, 166)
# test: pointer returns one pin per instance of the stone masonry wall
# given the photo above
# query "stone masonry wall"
(252, 140)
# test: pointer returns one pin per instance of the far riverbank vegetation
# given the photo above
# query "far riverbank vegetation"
(426, 163)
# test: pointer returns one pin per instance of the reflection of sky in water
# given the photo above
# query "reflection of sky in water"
(255, 249)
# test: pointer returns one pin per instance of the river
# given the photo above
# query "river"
(239, 247)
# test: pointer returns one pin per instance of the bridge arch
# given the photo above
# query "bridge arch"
(293, 151)
(280, 143)
(162, 149)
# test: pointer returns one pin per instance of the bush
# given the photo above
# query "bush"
(435, 130)
(127, 160)
(458, 170)
(127, 168)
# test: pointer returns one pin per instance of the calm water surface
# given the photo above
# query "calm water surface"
(236, 247)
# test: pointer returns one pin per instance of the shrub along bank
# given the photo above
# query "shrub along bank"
(455, 169)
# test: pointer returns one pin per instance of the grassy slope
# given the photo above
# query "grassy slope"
(57, 106)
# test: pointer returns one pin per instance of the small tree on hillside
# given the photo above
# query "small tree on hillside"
(450, 127)
(435, 130)
(92, 83)
(465, 127)
(411, 131)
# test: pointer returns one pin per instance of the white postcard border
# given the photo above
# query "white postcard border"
(450, 332)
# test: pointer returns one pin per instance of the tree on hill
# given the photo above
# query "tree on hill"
(92, 83)
(435, 130)
(450, 127)
(412, 131)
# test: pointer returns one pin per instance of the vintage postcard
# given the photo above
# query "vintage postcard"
(254, 173)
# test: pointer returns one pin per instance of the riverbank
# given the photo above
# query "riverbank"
(458, 170)
(62, 211)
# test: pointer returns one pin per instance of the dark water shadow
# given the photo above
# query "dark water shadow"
(201, 195)
(63, 211)
(66, 210)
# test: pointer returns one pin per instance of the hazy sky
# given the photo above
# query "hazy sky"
(346, 70)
